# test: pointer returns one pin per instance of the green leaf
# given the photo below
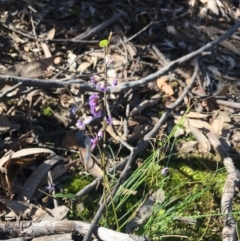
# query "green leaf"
(103, 43)
(66, 195)
(47, 111)
(238, 229)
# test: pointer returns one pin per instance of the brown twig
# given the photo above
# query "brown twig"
(234, 105)
(232, 180)
(122, 86)
(10, 89)
(46, 228)
(37, 38)
(174, 64)
(98, 28)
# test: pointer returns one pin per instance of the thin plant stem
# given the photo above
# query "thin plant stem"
(104, 164)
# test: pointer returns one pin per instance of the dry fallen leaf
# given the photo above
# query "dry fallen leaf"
(196, 115)
(201, 138)
(162, 85)
(162, 80)
(218, 122)
(195, 123)
(33, 69)
(212, 5)
(32, 182)
(83, 66)
(56, 214)
(187, 146)
(89, 163)
(25, 209)
(192, 3)
(110, 131)
(13, 162)
(69, 141)
(131, 49)
(51, 33)
(167, 89)
(71, 59)
(57, 60)
(203, 12)
(46, 50)
(199, 124)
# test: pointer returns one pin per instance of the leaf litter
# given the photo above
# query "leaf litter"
(38, 131)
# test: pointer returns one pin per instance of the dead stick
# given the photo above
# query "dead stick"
(174, 64)
(123, 86)
(43, 228)
(98, 28)
(232, 181)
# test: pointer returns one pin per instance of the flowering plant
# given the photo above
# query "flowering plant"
(95, 109)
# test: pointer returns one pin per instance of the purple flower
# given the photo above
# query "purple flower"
(74, 110)
(93, 80)
(100, 134)
(114, 82)
(94, 142)
(95, 113)
(80, 124)
(93, 99)
(51, 187)
(109, 121)
(165, 171)
(102, 88)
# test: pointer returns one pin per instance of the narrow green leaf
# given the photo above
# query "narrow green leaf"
(66, 195)
(238, 229)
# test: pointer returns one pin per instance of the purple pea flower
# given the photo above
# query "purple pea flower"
(114, 82)
(93, 99)
(95, 113)
(51, 187)
(100, 134)
(165, 171)
(109, 121)
(93, 80)
(94, 142)
(102, 88)
(74, 110)
(80, 124)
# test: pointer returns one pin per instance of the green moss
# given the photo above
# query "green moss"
(82, 209)
(192, 189)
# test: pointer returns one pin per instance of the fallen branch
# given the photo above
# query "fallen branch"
(232, 180)
(174, 64)
(45, 83)
(122, 86)
(99, 28)
(45, 228)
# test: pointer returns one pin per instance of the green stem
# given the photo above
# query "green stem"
(104, 164)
